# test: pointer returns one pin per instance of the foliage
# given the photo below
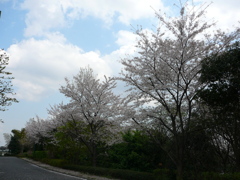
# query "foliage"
(55, 162)
(39, 155)
(136, 152)
(165, 174)
(5, 83)
(221, 74)
(200, 152)
(217, 176)
(70, 149)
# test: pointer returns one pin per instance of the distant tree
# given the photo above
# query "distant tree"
(163, 76)
(18, 141)
(7, 138)
(2, 148)
(5, 83)
(38, 133)
(21, 136)
(221, 74)
(14, 144)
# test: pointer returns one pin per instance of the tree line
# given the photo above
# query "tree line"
(181, 109)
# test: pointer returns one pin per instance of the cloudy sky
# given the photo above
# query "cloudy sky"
(48, 40)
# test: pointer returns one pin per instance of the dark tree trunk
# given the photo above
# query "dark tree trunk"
(180, 171)
(180, 149)
(94, 155)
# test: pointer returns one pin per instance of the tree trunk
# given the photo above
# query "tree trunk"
(94, 156)
(237, 157)
(180, 171)
(180, 148)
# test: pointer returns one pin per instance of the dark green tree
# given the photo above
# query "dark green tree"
(201, 155)
(137, 152)
(18, 142)
(14, 145)
(221, 75)
(68, 147)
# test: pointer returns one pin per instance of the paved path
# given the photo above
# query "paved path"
(12, 168)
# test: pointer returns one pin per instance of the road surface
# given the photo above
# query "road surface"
(12, 168)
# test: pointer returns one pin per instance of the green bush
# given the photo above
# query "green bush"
(217, 176)
(114, 173)
(165, 174)
(38, 155)
(158, 174)
(233, 176)
(211, 176)
(137, 152)
(55, 162)
(25, 154)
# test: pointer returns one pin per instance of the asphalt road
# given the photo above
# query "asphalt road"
(12, 168)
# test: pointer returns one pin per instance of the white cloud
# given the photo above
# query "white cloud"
(46, 15)
(126, 38)
(41, 65)
(29, 90)
(226, 13)
(42, 16)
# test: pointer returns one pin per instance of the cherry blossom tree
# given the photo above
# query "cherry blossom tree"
(93, 113)
(6, 90)
(38, 130)
(163, 76)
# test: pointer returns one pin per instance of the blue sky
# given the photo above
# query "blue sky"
(50, 40)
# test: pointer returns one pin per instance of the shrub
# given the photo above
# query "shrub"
(114, 173)
(38, 155)
(165, 174)
(55, 162)
(217, 176)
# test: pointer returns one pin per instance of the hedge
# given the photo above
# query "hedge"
(159, 174)
(114, 173)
